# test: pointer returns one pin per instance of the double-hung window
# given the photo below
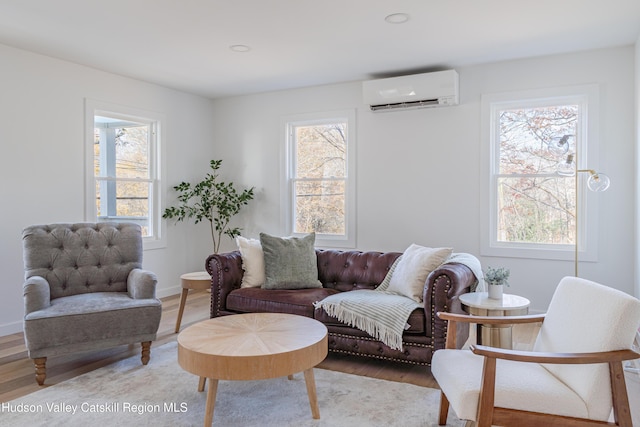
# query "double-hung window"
(123, 168)
(531, 208)
(320, 177)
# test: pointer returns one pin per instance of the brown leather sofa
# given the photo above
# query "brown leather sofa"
(342, 271)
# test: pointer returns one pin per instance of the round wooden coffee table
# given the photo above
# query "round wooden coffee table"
(252, 346)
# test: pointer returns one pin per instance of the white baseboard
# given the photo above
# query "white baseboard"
(11, 328)
(167, 292)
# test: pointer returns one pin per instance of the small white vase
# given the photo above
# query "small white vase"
(495, 291)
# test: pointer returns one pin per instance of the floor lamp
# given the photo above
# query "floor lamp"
(597, 181)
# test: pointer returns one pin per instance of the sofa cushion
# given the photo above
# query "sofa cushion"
(410, 274)
(416, 320)
(290, 262)
(252, 262)
(293, 301)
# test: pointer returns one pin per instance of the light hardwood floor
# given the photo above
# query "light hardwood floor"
(17, 370)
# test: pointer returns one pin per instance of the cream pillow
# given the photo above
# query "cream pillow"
(411, 273)
(252, 262)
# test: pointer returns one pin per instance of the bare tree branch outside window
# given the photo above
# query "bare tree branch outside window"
(320, 178)
(535, 205)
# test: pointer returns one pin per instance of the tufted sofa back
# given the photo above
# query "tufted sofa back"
(84, 257)
(351, 270)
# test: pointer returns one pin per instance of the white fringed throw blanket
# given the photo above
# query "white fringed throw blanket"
(380, 313)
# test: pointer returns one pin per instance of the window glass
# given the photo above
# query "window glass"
(321, 170)
(320, 181)
(534, 203)
(123, 167)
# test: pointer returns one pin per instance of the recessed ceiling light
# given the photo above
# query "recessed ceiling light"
(397, 18)
(240, 48)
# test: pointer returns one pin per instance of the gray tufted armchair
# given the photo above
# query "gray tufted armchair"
(85, 290)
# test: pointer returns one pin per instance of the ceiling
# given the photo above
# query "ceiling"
(185, 44)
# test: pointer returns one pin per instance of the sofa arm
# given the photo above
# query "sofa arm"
(226, 275)
(442, 290)
(141, 284)
(36, 293)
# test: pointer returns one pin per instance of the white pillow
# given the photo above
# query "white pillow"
(252, 262)
(412, 270)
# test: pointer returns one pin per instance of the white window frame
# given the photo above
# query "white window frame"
(587, 97)
(156, 167)
(348, 240)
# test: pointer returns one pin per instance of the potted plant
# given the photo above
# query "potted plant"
(213, 200)
(496, 279)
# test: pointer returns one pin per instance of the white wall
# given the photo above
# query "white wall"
(637, 175)
(42, 160)
(419, 171)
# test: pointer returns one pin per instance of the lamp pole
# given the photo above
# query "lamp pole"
(577, 231)
(577, 209)
(597, 182)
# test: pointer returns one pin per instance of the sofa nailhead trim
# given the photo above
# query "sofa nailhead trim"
(433, 308)
(372, 356)
(354, 353)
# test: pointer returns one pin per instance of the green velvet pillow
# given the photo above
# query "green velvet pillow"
(290, 262)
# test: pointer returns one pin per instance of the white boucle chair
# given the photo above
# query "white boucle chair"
(573, 377)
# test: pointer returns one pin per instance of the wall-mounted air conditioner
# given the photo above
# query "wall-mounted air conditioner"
(437, 89)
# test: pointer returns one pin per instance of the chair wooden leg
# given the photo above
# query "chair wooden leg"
(146, 352)
(487, 393)
(621, 409)
(444, 409)
(41, 369)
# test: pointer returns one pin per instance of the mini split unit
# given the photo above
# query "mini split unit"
(438, 89)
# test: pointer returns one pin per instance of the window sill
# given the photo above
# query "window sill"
(152, 244)
(513, 250)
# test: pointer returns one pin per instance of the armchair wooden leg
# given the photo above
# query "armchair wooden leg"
(444, 409)
(487, 393)
(621, 409)
(41, 369)
(146, 352)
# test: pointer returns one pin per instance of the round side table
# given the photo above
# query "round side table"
(198, 281)
(479, 304)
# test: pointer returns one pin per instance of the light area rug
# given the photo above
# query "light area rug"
(127, 393)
